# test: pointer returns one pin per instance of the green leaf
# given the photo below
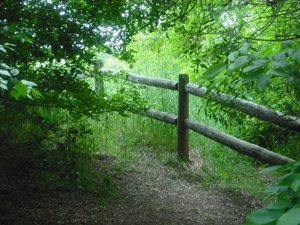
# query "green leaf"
(214, 70)
(296, 185)
(252, 67)
(233, 56)
(19, 90)
(5, 66)
(14, 72)
(264, 216)
(35, 93)
(2, 49)
(287, 44)
(230, 69)
(290, 80)
(9, 45)
(252, 76)
(3, 84)
(262, 82)
(296, 55)
(278, 72)
(254, 55)
(279, 205)
(5, 73)
(272, 169)
(291, 178)
(284, 54)
(11, 83)
(276, 189)
(28, 83)
(245, 49)
(261, 61)
(241, 62)
(279, 63)
(291, 217)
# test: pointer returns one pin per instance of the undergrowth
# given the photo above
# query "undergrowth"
(122, 136)
(214, 164)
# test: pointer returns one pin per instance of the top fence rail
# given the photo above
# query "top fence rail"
(250, 108)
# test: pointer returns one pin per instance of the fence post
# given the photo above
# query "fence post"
(98, 76)
(183, 113)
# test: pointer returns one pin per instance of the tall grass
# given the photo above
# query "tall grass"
(120, 136)
(123, 137)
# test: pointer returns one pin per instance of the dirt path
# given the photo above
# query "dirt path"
(149, 194)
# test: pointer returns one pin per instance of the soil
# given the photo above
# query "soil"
(147, 193)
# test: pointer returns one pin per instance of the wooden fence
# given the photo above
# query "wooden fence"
(184, 123)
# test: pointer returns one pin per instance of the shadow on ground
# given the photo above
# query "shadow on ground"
(149, 193)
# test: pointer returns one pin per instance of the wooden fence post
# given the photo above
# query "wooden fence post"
(99, 82)
(183, 113)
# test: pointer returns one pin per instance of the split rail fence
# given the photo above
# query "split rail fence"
(184, 123)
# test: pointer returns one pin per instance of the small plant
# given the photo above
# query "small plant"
(9, 78)
(286, 190)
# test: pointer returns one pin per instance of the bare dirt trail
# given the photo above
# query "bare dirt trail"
(149, 193)
(156, 194)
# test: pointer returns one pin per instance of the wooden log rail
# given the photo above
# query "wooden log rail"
(247, 107)
(150, 81)
(184, 123)
(254, 151)
(161, 116)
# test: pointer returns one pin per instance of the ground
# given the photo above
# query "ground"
(146, 193)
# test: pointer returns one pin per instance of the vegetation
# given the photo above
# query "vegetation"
(58, 112)
(285, 210)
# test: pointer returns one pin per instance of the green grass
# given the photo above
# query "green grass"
(127, 137)
(120, 137)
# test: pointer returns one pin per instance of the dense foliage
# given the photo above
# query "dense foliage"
(285, 209)
(47, 52)
(49, 75)
(246, 49)
(250, 50)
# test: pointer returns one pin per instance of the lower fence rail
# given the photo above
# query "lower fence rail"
(161, 116)
(254, 151)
